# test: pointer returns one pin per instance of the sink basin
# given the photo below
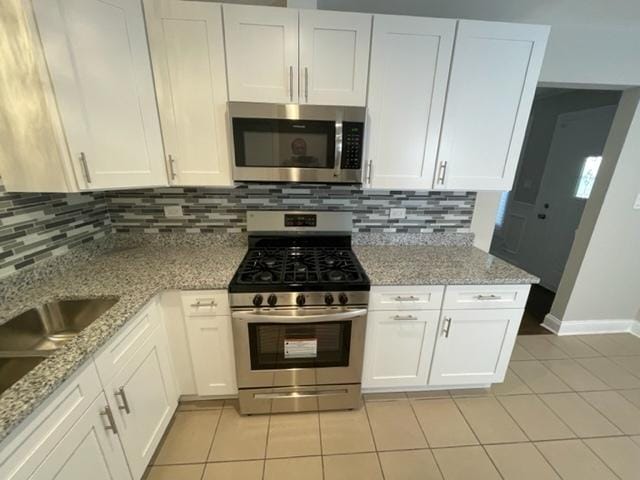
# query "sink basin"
(13, 369)
(43, 329)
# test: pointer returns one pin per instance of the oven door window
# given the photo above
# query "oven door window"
(271, 143)
(276, 346)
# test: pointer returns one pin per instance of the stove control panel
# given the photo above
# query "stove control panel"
(299, 299)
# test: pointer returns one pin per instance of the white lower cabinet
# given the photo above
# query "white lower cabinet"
(453, 336)
(474, 346)
(208, 325)
(87, 450)
(398, 348)
(142, 397)
(211, 345)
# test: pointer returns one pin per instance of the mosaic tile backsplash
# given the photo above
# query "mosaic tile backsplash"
(224, 210)
(37, 226)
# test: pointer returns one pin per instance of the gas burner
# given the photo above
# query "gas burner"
(269, 261)
(299, 267)
(263, 276)
(335, 275)
(330, 260)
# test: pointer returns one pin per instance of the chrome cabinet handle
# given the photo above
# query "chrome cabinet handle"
(306, 84)
(111, 425)
(291, 83)
(441, 172)
(172, 170)
(125, 402)
(405, 317)
(369, 172)
(199, 304)
(447, 327)
(487, 297)
(85, 167)
(410, 298)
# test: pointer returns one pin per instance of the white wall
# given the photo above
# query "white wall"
(484, 219)
(592, 41)
(602, 278)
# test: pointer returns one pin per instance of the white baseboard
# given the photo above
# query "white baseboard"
(586, 327)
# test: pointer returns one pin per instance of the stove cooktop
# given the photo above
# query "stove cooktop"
(299, 268)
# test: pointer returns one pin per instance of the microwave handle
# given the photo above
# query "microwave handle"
(338, 150)
(324, 317)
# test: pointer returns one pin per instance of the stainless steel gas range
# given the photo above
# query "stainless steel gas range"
(299, 310)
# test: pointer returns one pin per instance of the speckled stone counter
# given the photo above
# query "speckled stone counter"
(437, 265)
(136, 268)
(133, 273)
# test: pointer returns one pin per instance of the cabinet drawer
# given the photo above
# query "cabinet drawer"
(124, 345)
(406, 298)
(485, 296)
(31, 442)
(206, 302)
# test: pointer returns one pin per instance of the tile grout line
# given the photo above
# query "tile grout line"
(373, 437)
(213, 437)
(602, 459)
(321, 449)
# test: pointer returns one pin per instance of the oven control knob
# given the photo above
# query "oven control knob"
(257, 300)
(328, 299)
(343, 299)
(272, 300)
(300, 300)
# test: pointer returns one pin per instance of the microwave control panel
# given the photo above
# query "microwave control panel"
(352, 134)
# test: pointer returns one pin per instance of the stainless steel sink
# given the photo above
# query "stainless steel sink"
(26, 340)
(45, 328)
(13, 369)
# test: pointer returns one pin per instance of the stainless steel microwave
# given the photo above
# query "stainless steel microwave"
(297, 143)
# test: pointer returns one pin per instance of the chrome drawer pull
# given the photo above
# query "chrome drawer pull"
(405, 317)
(112, 424)
(447, 327)
(199, 304)
(410, 298)
(487, 297)
(125, 402)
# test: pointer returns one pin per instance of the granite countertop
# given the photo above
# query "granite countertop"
(437, 265)
(136, 272)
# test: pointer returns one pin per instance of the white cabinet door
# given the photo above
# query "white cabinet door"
(88, 450)
(143, 398)
(398, 348)
(187, 51)
(211, 345)
(410, 60)
(491, 87)
(334, 57)
(262, 53)
(98, 59)
(474, 346)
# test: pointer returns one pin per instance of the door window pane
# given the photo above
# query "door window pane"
(587, 176)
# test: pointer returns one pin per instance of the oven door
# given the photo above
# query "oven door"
(299, 346)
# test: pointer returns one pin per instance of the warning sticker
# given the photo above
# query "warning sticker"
(300, 347)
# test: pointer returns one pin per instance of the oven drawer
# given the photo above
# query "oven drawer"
(299, 399)
(406, 297)
(461, 297)
(205, 303)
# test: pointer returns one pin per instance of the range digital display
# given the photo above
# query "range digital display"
(300, 220)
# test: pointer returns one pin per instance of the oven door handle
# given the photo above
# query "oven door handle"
(325, 317)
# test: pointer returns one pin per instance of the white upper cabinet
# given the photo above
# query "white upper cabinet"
(491, 87)
(97, 56)
(268, 61)
(187, 52)
(410, 60)
(334, 57)
(262, 53)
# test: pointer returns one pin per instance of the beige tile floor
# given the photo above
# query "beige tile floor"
(569, 409)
